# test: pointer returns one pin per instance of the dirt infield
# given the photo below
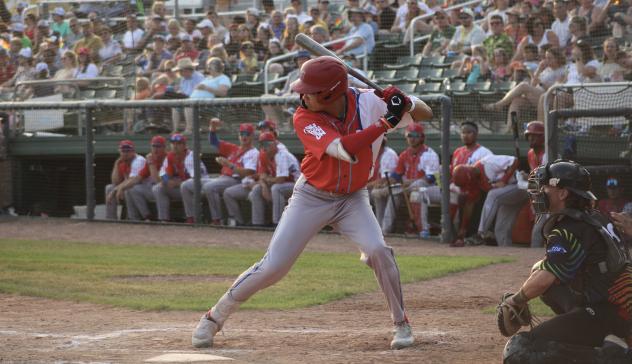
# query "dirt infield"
(446, 313)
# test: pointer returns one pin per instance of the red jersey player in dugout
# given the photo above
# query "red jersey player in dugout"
(341, 129)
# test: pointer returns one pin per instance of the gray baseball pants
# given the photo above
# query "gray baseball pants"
(187, 191)
(163, 196)
(279, 192)
(136, 200)
(213, 189)
(502, 205)
(429, 195)
(390, 212)
(308, 211)
(232, 196)
(111, 211)
(380, 197)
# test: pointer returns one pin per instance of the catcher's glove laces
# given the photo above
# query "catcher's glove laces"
(510, 318)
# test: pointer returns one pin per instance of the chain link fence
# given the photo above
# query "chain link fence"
(591, 124)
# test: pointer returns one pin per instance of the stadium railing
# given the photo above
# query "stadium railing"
(96, 174)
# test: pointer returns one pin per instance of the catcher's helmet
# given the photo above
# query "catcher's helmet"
(324, 76)
(560, 173)
(463, 175)
(534, 127)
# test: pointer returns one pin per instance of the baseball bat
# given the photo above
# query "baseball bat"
(317, 49)
(390, 190)
(516, 134)
(411, 219)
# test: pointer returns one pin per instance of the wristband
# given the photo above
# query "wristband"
(520, 298)
(412, 102)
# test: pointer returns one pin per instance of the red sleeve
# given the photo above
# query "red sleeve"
(144, 173)
(262, 163)
(354, 142)
(314, 132)
(401, 164)
(510, 171)
(226, 148)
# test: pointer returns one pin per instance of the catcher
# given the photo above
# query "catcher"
(585, 278)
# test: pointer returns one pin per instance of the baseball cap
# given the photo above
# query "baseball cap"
(43, 23)
(59, 11)
(205, 24)
(415, 127)
(159, 37)
(186, 38)
(612, 182)
(158, 141)
(467, 11)
(26, 53)
(22, 5)
(41, 67)
(83, 50)
(247, 127)
(266, 124)
(177, 138)
(126, 144)
(17, 27)
(267, 137)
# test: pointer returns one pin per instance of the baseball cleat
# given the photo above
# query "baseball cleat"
(403, 337)
(204, 332)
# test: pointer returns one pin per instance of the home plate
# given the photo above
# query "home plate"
(184, 358)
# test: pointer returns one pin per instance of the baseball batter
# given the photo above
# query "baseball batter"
(341, 130)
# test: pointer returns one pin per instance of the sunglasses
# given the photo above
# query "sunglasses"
(266, 144)
(464, 17)
(413, 135)
(611, 182)
(157, 146)
(495, 23)
(244, 133)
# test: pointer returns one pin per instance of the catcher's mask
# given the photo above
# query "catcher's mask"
(560, 173)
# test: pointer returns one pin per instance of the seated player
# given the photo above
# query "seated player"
(172, 173)
(126, 168)
(615, 201)
(278, 171)
(385, 165)
(139, 195)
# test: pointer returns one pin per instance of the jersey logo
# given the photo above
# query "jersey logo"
(557, 249)
(609, 229)
(314, 130)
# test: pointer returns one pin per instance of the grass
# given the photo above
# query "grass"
(107, 274)
(536, 306)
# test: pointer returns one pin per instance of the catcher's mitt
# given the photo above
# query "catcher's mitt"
(510, 318)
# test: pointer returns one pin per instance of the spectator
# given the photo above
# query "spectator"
(252, 21)
(218, 28)
(24, 72)
(86, 68)
(89, 41)
(216, 84)
(615, 200)
(268, 8)
(467, 154)
(562, 22)
(20, 7)
(17, 30)
(528, 93)
(156, 27)
(234, 43)
(219, 51)
(48, 54)
(319, 34)
(401, 24)
(59, 24)
(467, 34)
(385, 16)
(74, 33)
(111, 51)
(190, 29)
(314, 12)
(157, 55)
(174, 171)
(385, 165)
(532, 58)
(158, 11)
(248, 58)
(584, 66)
(538, 35)
(15, 46)
(499, 8)
(140, 193)
(441, 35)
(290, 32)
(187, 50)
(278, 170)
(325, 14)
(578, 28)
(126, 167)
(621, 26)
(206, 29)
(30, 26)
(416, 167)
(275, 49)
(499, 66)
(277, 26)
(7, 70)
(357, 46)
(67, 72)
(42, 34)
(498, 38)
(173, 29)
(41, 73)
(132, 39)
(516, 26)
(475, 66)
(301, 16)
(189, 79)
(593, 15)
(262, 41)
(173, 44)
(611, 69)
(238, 163)
(495, 175)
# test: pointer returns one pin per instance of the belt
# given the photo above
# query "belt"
(319, 191)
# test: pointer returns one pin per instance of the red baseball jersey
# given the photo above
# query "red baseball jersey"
(174, 166)
(234, 154)
(408, 162)
(124, 168)
(464, 155)
(157, 162)
(534, 159)
(317, 130)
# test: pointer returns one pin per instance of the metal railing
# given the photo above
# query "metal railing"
(266, 76)
(413, 23)
(76, 84)
(90, 109)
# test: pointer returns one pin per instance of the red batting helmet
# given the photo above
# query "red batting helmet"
(535, 127)
(463, 175)
(415, 127)
(325, 76)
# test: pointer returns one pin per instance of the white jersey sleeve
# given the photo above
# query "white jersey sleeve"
(429, 162)
(188, 165)
(479, 154)
(388, 161)
(137, 165)
(163, 168)
(250, 158)
(286, 164)
(496, 166)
